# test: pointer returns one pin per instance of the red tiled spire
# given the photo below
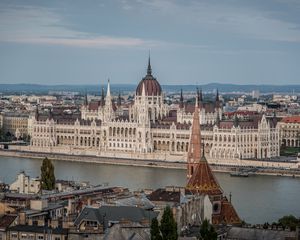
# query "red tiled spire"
(200, 176)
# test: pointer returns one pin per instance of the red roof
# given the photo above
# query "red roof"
(152, 86)
(227, 214)
(292, 119)
(202, 180)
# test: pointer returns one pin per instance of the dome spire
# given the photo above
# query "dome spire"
(149, 69)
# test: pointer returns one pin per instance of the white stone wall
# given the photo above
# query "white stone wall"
(23, 184)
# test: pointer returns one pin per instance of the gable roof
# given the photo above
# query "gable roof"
(291, 119)
(6, 221)
(106, 214)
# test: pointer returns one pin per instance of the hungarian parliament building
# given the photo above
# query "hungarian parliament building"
(150, 128)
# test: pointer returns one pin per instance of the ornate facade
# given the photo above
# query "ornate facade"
(15, 124)
(290, 131)
(149, 126)
(256, 138)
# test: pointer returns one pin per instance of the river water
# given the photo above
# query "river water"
(257, 199)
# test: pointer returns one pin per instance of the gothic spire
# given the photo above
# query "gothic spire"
(119, 101)
(85, 99)
(200, 95)
(181, 99)
(102, 97)
(200, 176)
(149, 69)
(217, 96)
(50, 113)
(217, 102)
(108, 89)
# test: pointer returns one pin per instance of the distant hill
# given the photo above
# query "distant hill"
(96, 89)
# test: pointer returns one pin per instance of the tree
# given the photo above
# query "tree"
(154, 230)
(168, 226)
(47, 175)
(207, 231)
(289, 221)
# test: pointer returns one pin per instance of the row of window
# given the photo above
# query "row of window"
(30, 236)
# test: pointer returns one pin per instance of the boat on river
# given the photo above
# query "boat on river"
(239, 174)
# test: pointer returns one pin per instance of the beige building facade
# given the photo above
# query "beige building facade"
(290, 131)
(15, 124)
(150, 128)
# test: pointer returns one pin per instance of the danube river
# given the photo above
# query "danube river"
(257, 199)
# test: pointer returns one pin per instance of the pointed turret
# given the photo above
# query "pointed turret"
(217, 100)
(217, 96)
(181, 100)
(86, 99)
(200, 177)
(200, 96)
(50, 114)
(119, 101)
(102, 97)
(149, 69)
(109, 105)
(108, 89)
(194, 153)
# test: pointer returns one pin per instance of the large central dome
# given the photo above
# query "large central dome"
(152, 86)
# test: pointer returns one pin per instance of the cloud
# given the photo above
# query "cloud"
(91, 42)
(230, 17)
(37, 25)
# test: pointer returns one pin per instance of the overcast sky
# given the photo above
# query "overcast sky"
(191, 42)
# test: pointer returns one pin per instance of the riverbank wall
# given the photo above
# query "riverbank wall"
(144, 162)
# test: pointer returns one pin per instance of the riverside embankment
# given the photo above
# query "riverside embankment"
(145, 163)
(273, 196)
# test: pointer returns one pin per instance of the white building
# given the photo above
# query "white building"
(149, 128)
(25, 184)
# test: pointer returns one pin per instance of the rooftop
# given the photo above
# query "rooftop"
(292, 119)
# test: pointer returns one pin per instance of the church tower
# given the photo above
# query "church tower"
(202, 181)
(108, 107)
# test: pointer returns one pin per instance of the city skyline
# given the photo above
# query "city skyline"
(194, 42)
